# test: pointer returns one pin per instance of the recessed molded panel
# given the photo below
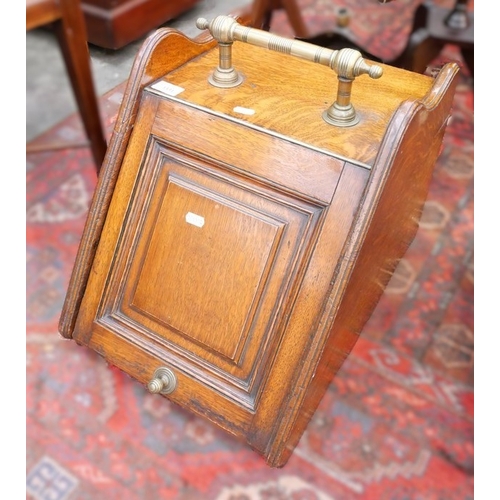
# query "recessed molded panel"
(206, 268)
(186, 280)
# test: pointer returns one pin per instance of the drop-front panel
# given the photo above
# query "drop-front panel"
(237, 242)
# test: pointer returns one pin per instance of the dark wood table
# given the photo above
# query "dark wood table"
(112, 24)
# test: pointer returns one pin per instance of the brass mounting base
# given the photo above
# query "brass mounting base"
(225, 78)
(341, 116)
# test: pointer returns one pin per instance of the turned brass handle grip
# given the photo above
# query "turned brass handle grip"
(347, 63)
(164, 381)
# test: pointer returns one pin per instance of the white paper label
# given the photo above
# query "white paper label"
(244, 111)
(195, 220)
(167, 88)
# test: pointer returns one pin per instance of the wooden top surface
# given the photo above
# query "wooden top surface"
(288, 95)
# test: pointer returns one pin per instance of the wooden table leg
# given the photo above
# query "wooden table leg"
(262, 11)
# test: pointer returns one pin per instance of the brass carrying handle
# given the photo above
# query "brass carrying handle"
(347, 63)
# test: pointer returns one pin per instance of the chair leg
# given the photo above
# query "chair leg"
(295, 17)
(261, 15)
(262, 11)
(72, 38)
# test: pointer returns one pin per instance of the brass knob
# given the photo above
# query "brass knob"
(164, 381)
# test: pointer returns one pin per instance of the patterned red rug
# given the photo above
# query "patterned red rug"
(397, 422)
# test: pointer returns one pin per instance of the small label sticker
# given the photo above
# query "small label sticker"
(195, 220)
(244, 111)
(167, 88)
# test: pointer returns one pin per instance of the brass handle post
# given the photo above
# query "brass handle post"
(225, 75)
(347, 63)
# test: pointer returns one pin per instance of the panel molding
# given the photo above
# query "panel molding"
(295, 224)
